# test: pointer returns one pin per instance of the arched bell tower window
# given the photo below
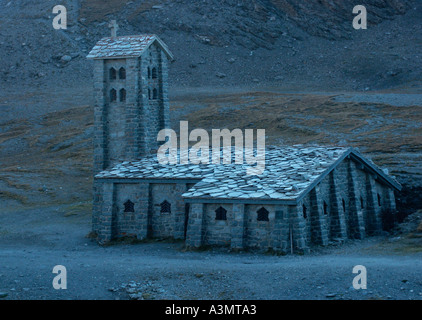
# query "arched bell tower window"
(263, 214)
(129, 206)
(154, 73)
(113, 95)
(154, 94)
(122, 95)
(149, 73)
(112, 74)
(122, 73)
(221, 214)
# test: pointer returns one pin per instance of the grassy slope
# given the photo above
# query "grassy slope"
(54, 159)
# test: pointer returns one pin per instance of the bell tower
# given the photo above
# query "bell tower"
(131, 96)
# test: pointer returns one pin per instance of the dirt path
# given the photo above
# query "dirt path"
(33, 241)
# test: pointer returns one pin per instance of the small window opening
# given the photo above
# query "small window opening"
(129, 206)
(325, 208)
(122, 73)
(221, 214)
(263, 214)
(165, 207)
(122, 95)
(113, 95)
(154, 73)
(344, 205)
(112, 74)
(305, 211)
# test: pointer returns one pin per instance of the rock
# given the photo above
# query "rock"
(220, 75)
(66, 58)
(331, 295)
(3, 294)
(231, 60)
(135, 296)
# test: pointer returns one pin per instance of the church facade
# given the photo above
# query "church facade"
(305, 196)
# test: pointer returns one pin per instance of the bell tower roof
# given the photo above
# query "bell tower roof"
(126, 47)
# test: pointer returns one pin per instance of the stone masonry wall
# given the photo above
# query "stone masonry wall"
(347, 203)
(344, 205)
(166, 224)
(155, 108)
(217, 232)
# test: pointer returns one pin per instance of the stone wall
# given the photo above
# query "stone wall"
(155, 107)
(127, 129)
(217, 232)
(167, 224)
(147, 221)
(348, 203)
(345, 205)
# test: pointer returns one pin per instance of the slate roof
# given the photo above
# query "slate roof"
(126, 47)
(290, 173)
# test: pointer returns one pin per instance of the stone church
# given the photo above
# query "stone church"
(305, 196)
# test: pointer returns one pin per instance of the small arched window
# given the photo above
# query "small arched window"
(113, 95)
(304, 211)
(122, 95)
(344, 205)
(361, 203)
(154, 73)
(379, 199)
(263, 214)
(149, 94)
(112, 74)
(165, 207)
(122, 73)
(149, 73)
(325, 208)
(129, 206)
(221, 214)
(154, 94)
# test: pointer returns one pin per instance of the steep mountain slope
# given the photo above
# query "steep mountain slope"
(286, 43)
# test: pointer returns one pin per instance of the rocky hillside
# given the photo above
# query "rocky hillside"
(285, 43)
